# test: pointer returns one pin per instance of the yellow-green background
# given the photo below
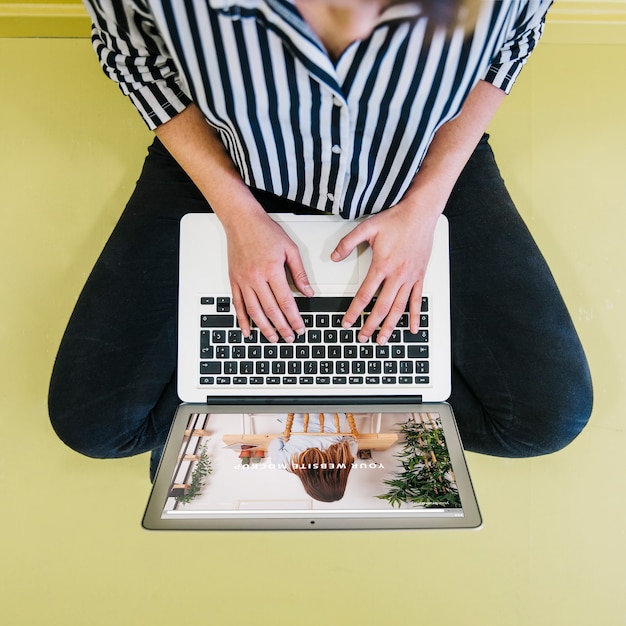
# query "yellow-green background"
(552, 551)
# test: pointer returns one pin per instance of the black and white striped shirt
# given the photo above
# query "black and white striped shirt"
(345, 136)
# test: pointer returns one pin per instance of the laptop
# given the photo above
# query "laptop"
(322, 433)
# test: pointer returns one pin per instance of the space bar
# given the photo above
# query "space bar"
(326, 304)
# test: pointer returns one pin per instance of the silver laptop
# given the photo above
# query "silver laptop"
(323, 433)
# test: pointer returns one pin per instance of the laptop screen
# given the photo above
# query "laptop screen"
(313, 467)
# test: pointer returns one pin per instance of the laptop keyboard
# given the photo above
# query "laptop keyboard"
(326, 354)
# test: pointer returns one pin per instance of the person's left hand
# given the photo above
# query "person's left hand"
(401, 240)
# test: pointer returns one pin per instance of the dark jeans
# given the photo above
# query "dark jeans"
(521, 385)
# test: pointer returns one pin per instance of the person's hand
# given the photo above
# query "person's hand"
(401, 240)
(260, 254)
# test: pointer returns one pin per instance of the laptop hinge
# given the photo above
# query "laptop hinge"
(298, 400)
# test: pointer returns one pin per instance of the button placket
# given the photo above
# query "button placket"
(338, 154)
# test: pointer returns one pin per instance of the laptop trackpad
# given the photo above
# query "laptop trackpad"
(316, 245)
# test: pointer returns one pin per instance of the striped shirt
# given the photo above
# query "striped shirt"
(345, 137)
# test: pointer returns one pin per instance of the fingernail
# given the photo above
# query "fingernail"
(335, 256)
(382, 340)
(363, 338)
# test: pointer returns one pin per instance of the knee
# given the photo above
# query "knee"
(81, 425)
(547, 428)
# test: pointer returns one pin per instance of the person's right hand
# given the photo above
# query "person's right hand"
(260, 254)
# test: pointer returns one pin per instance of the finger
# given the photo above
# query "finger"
(287, 319)
(415, 308)
(349, 242)
(390, 304)
(298, 274)
(361, 299)
(243, 318)
(256, 310)
(393, 314)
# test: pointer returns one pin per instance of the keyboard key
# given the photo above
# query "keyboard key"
(218, 336)
(339, 380)
(270, 352)
(334, 352)
(330, 336)
(318, 352)
(223, 305)
(322, 321)
(217, 321)
(395, 336)
(314, 336)
(278, 367)
(306, 380)
(222, 352)
(346, 336)
(389, 380)
(390, 367)
(349, 352)
(253, 337)
(302, 352)
(398, 352)
(420, 337)
(210, 367)
(382, 352)
(254, 352)
(366, 352)
(326, 367)
(372, 380)
(406, 367)
(322, 380)
(355, 380)
(206, 353)
(417, 352)
(342, 367)
(234, 336)
(230, 367)
(358, 367)
(286, 352)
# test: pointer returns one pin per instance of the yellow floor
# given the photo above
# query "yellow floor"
(72, 552)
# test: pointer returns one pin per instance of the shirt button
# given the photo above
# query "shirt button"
(337, 101)
(330, 196)
(336, 149)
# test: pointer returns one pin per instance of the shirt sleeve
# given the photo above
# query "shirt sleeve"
(519, 44)
(135, 56)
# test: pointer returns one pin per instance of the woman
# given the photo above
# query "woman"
(355, 107)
